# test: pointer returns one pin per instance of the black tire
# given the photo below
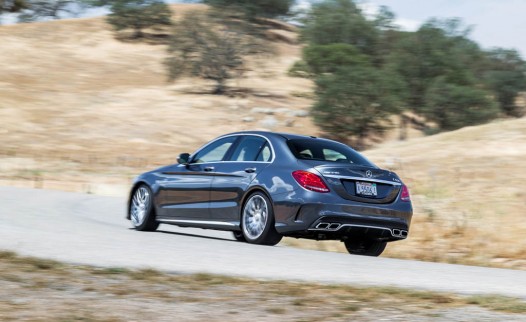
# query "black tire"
(238, 235)
(258, 214)
(141, 209)
(365, 247)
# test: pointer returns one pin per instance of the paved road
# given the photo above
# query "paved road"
(89, 229)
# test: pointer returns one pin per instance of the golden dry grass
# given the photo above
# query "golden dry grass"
(75, 100)
(82, 111)
(33, 289)
(468, 194)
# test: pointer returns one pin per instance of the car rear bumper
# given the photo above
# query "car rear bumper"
(336, 221)
(339, 226)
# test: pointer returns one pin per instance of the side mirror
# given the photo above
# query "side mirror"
(183, 158)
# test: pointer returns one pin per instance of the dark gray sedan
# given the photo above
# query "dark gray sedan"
(263, 186)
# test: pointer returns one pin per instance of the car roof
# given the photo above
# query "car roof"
(287, 136)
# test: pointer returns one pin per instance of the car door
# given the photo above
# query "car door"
(184, 190)
(232, 178)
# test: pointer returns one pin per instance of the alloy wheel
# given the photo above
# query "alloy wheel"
(255, 217)
(139, 206)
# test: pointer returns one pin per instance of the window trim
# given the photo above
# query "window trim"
(227, 152)
(261, 151)
(234, 145)
(240, 141)
(296, 153)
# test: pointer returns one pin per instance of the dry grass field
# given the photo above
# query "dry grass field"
(33, 289)
(81, 111)
(468, 195)
(79, 106)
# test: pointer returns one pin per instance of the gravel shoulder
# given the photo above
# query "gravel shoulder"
(34, 289)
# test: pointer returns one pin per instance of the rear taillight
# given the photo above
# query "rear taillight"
(404, 196)
(310, 181)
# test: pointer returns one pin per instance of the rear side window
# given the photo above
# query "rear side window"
(265, 154)
(252, 148)
(332, 155)
(325, 150)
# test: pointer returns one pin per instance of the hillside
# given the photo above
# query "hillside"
(75, 100)
(82, 111)
(468, 188)
(468, 195)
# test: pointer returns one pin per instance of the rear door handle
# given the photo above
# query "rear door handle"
(208, 169)
(250, 170)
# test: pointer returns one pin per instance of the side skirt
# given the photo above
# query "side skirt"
(204, 224)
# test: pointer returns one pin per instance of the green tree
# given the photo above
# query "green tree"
(506, 76)
(12, 5)
(438, 49)
(356, 92)
(444, 70)
(205, 49)
(388, 34)
(330, 58)
(98, 3)
(453, 106)
(354, 103)
(385, 19)
(138, 15)
(340, 21)
(52, 9)
(436, 71)
(254, 9)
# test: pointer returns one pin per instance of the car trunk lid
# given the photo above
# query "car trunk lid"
(361, 183)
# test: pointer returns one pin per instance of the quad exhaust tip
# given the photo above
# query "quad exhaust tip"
(400, 233)
(328, 226)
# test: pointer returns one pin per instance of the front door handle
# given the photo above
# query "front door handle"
(250, 170)
(208, 169)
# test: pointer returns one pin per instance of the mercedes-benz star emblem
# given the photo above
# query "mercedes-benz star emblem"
(368, 174)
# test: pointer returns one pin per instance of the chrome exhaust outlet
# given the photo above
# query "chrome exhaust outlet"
(328, 226)
(334, 227)
(399, 233)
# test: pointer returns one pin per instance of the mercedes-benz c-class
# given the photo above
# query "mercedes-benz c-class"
(264, 185)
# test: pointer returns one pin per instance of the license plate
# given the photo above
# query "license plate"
(366, 189)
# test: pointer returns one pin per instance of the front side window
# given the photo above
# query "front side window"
(215, 151)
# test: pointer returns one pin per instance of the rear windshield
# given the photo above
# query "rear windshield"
(324, 150)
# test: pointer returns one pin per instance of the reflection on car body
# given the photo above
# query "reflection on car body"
(264, 185)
